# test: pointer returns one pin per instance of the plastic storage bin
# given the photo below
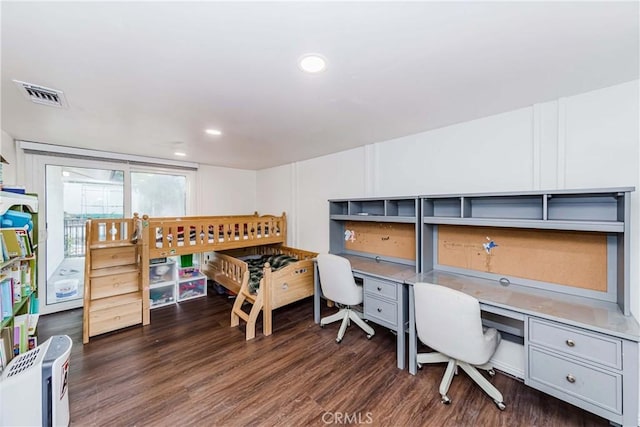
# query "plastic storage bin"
(192, 288)
(162, 272)
(161, 295)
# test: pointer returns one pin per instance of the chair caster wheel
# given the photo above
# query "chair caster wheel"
(369, 336)
(419, 365)
(500, 406)
(491, 373)
(321, 325)
(338, 340)
(445, 400)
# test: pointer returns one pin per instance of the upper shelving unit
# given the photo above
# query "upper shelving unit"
(601, 210)
(386, 229)
(603, 214)
(382, 210)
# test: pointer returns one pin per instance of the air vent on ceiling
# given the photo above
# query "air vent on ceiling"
(42, 95)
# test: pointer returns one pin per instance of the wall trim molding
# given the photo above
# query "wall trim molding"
(561, 165)
(293, 225)
(40, 148)
(536, 145)
(370, 167)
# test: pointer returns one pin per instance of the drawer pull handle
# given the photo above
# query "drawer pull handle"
(379, 288)
(379, 310)
(571, 343)
(571, 378)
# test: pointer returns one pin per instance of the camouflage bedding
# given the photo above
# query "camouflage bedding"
(256, 265)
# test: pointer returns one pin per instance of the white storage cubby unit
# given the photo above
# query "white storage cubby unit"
(162, 282)
(170, 284)
(191, 283)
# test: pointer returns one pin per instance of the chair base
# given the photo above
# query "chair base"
(471, 370)
(346, 315)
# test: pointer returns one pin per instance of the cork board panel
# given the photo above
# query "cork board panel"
(381, 238)
(577, 259)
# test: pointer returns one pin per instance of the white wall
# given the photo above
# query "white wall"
(8, 151)
(275, 194)
(584, 141)
(489, 154)
(225, 191)
(279, 190)
(317, 180)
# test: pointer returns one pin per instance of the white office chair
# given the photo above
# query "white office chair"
(338, 285)
(448, 321)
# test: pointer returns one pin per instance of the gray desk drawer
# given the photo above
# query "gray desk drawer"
(380, 288)
(594, 386)
(585, 345)
(378, 309)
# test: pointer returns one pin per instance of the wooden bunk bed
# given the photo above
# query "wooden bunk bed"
(229, 237)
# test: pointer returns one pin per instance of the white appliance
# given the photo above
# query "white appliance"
(34, 388)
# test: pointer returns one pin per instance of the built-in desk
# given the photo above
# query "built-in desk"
(577, 349)
(567, 329)
(385, 296)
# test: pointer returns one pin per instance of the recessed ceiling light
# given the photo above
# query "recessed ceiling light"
(213, 132)
(312, 63)
(179, 153)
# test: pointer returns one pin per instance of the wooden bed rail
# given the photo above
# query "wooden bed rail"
(188, 235)
(111, 231)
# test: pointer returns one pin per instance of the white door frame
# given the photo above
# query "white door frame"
(39, 175)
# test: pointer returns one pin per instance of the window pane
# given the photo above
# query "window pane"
(157, 194)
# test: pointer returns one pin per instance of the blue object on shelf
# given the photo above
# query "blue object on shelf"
(16, 219)
(16, 190)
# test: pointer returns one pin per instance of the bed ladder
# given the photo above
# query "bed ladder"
(256, 300)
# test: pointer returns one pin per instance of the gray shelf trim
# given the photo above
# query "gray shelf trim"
(601, 226)
(577, 191)
(374, 218)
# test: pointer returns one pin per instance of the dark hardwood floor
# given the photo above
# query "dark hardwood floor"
(190, 368)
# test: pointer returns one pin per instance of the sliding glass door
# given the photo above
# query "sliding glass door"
(74, 190)
(74, 195)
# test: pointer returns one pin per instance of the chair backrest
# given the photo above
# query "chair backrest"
(449, 322)
(336, 280)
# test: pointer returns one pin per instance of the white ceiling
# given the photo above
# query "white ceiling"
(147, 78)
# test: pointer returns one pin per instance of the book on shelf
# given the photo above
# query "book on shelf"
(30, 321)
(16, 340)
(26, 242)
(20, 337)
(17, 241)
(7, 343)
(4, 252)
(6, 295)
(34, 305)
(3, 357)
